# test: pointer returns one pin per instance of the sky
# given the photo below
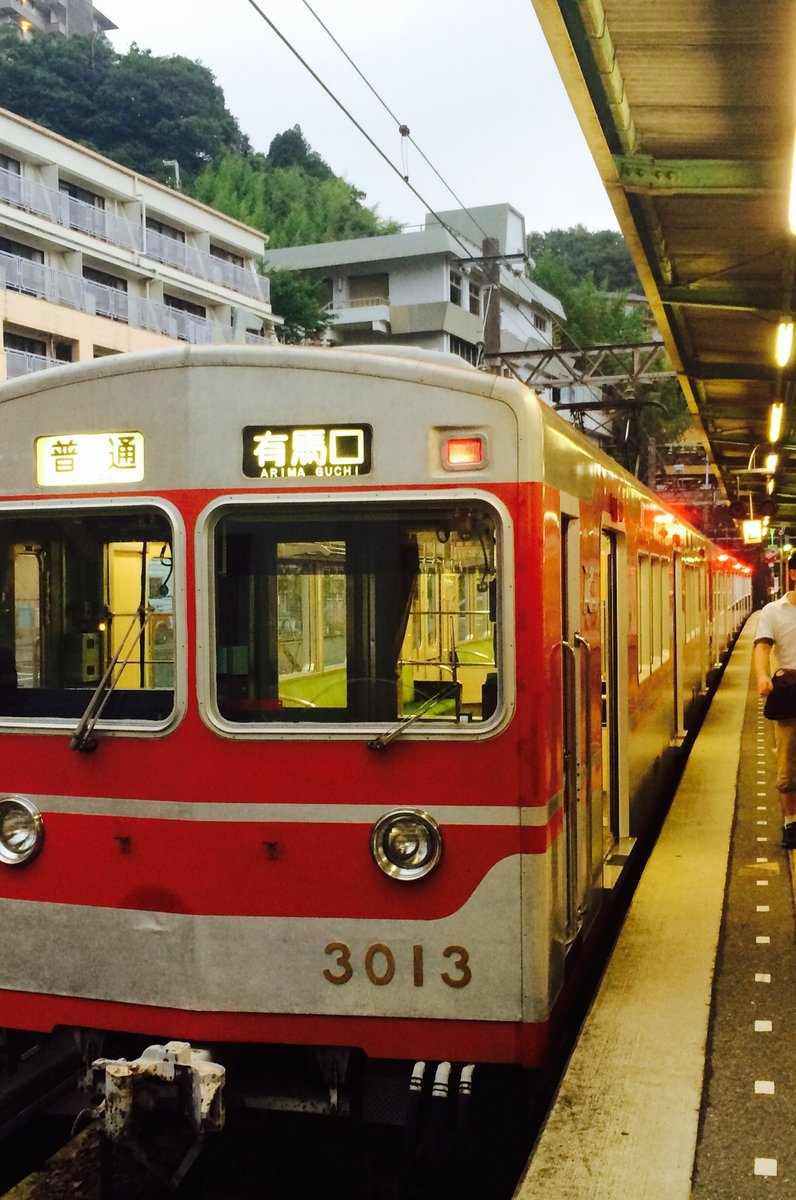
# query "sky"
(473, 81)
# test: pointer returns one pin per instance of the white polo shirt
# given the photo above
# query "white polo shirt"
(777, 623)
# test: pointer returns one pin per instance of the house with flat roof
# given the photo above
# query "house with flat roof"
(431, 286)
(96, 259)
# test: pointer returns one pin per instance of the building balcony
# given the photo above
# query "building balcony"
(96, 222)
(18, 363)
(18, 10)
(59, 287)
(367, 313)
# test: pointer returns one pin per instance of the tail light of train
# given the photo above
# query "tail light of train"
(464, 453)
(21, 830)
(406, 844)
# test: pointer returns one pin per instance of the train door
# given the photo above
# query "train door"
(27, 614)
(705, 624)
(576, 742)
(614, 691)
(678, 624)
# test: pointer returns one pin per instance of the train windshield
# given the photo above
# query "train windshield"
(86, 595)
(343, 615)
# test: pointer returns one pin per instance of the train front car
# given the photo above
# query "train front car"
(310, 750)
(262, 780)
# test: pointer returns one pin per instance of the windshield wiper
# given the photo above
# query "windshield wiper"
(379, 743)
(82, 738)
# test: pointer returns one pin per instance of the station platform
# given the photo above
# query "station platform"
(683, 1080)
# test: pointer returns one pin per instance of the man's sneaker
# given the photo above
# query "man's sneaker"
(789, 836)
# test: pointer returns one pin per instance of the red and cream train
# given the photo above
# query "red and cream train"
(333, 689)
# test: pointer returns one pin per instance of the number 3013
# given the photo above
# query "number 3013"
(379, 964)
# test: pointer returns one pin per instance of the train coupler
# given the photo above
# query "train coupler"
(160, 1106)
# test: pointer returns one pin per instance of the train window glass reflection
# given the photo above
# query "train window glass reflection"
(311, 623)
(657, 613)
(78, 589)
(644, 610)
(341, 616)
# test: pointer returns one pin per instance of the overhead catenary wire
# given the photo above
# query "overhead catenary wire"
(406, 136)
(403, 129)
(371, 141)
(405, 133)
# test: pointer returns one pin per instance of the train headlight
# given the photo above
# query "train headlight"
(21, 830)
(406, 843)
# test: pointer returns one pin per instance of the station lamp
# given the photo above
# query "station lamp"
(784, 342)
(775, 417)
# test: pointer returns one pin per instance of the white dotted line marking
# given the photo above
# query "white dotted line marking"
(765, 1166)
(764, 1026)
(763, 908)
(762, 939)
(762, 977)
(764, 1087)
(761, 882)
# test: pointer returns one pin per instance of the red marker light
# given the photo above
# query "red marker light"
(462, 452)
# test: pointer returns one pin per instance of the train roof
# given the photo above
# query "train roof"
(560, 453)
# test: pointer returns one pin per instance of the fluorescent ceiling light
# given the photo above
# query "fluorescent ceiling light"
(784, 343)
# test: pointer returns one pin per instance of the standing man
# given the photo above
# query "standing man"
(776, 629)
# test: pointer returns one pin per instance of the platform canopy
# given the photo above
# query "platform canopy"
(689, 109)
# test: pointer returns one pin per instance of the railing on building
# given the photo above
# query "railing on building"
(107, 226)
(338, 306)
(59, 287)
(19, 362)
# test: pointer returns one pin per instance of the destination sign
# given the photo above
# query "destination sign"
(306, 451)
(89, 458)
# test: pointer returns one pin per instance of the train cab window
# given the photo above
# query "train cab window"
(86, 605)
(336, 615)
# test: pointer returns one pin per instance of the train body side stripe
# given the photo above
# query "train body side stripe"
(315, 814)
(471, 960)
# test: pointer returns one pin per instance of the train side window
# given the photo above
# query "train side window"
(83, 593)
(666, 608)
(644, 616)
(335, 615)
(656, 595)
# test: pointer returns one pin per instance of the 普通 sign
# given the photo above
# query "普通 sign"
(89, 458)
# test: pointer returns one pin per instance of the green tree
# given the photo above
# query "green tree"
(53, 81)
(296, 299)
(603, 254)
(293, 206)
(647, 413)
(291, 149)
(135, 108)
(140, 109)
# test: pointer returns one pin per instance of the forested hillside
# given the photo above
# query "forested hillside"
(139, 109)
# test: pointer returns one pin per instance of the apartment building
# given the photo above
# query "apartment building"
(428, 287)
(54, 18)
(96, 259)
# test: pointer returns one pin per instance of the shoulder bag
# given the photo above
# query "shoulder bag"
(781, 702)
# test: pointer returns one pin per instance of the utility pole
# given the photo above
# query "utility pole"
(490, 250)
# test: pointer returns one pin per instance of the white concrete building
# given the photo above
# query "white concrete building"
(54, 18)
(426, 287)
(96, 259)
